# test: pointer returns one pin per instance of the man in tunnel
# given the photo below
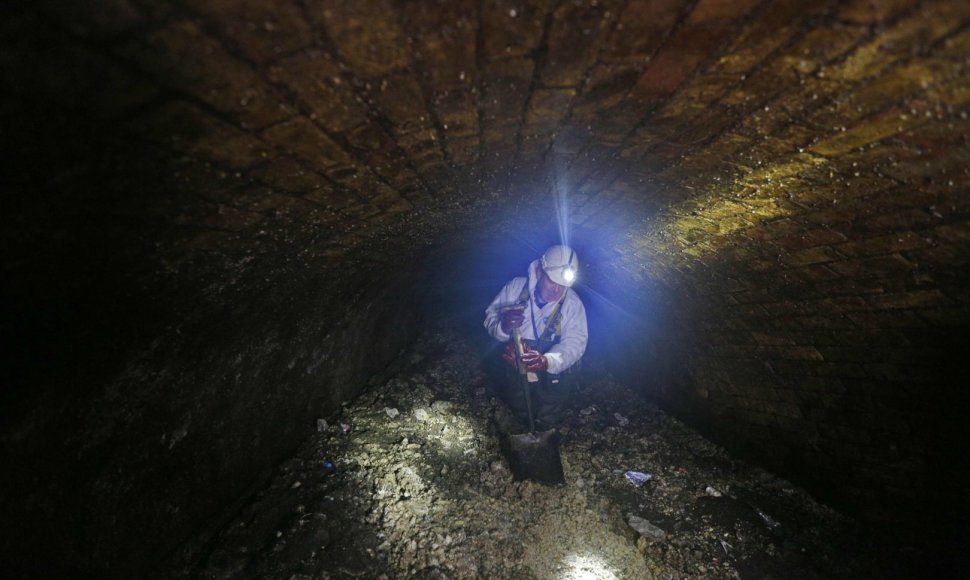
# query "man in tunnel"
(551, 319)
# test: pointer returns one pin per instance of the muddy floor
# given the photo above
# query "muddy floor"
(409, 481)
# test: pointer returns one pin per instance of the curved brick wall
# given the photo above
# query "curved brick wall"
(209, 205)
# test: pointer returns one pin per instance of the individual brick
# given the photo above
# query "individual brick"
(641, 28)
(512, 28)
(188, 129)
(812, 238)
(458, 113)
(303, 138)
(871, 11)
(101, 20)
(876, 320)
(869, 131)
(289, 175)
(680, 56)
(910, 300)
(922, 28)
(262, 30)
(223, 81)
(219, 217)
(865, 267)
(367, 35)
(546, 109)
(957, 232)
(506, 90)
(317, 83)
(445, 42)
(813, 255)
(400, 99)
(575, 35)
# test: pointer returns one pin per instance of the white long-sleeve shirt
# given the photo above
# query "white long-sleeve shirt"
(575, 334)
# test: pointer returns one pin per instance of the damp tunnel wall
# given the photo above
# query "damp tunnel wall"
(848, 385)
(128, 434)
(226, 218)
(163, 351)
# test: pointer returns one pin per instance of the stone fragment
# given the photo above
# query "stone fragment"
(646, 529)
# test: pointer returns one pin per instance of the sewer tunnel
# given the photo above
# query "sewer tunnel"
(231, 227)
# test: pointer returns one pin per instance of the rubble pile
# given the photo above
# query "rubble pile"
(409, 481)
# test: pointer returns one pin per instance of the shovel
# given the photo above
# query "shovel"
(533, 455)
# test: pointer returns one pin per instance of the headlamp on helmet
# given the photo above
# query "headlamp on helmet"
(561, 264)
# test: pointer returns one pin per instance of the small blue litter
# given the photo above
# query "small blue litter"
(637, 478)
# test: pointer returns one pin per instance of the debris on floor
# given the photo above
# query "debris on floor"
(409, 480)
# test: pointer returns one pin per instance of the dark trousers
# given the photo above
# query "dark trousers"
(551, 396)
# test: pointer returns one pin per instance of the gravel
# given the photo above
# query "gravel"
(426, 493)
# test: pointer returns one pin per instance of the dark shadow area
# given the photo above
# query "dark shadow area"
(158, 360)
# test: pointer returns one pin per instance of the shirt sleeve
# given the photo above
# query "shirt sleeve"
(508, 295)
(575, 335)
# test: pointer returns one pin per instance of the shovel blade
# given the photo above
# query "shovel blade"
(535, 456)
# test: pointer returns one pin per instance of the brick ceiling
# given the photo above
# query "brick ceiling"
(681, 123)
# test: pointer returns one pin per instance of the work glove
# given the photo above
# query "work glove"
(511, 320)
(534, 361)
(509, 354)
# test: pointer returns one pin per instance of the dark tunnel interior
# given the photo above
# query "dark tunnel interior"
(226, 221)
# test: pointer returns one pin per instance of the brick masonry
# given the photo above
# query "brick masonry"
(793, 179)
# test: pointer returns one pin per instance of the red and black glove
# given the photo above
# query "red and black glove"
(534, 360)
(509, 354)
(511, 320)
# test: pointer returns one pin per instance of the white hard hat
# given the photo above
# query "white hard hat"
(561, 264)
